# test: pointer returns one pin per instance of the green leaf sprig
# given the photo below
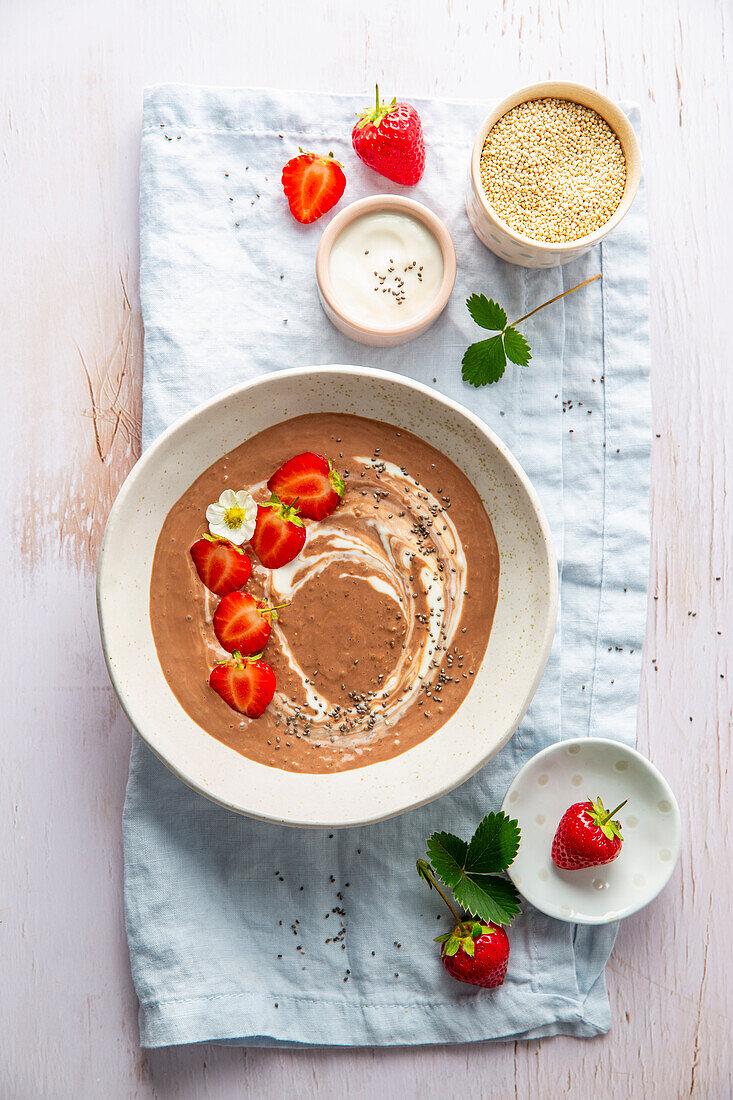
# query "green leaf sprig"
(473, 870)
(485, 361)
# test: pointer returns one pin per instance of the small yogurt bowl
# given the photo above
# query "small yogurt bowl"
(574, 771)
(352, 318)
(514, 247)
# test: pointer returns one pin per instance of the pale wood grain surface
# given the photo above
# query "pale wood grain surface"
(71, 357)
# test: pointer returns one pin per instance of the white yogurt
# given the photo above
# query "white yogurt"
(386, 269)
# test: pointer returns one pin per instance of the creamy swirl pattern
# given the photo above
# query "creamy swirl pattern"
(419, 541)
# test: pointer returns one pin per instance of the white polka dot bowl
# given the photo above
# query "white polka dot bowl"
(515, 247)
(574, 771)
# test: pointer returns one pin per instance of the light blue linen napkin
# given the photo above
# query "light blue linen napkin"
(227, 917)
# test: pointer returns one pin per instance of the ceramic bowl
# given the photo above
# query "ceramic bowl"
(573, 771)
(504, 684)
(328, 294)
(515, 247)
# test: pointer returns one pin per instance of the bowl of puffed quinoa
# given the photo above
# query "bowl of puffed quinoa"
(554, 168)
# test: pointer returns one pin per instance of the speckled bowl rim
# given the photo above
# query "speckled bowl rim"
(675, 820)
(116, 548)
(609, 111)
(402, 205)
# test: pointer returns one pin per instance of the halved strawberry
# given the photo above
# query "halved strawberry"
(244, 623)
(246, 684)
(279, 533)
(312, 185)
(312, 481)
(222, 566)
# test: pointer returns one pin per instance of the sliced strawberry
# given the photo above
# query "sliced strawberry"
(312, 481)
(222, 566)
(279, 533)
(246, 684)
(312, 185)
(244, 623)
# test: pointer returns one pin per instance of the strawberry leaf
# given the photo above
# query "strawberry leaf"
(484, 362)
(516, 347)
(447, 854)
(490, 897)
(337, 482)
(486, 312)
(493, 846)
(423, 870)
(472, 870)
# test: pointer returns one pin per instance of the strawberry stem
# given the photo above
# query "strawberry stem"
(240, 659)
(272, 610)
(426, 873)
(555, 299)
(609, 815)
(380, 111)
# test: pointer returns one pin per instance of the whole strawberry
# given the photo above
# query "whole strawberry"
(477, 950)
(389, 139)
(587, 836)
(476, 953)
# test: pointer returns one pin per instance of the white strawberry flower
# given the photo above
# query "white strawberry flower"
(233, 516)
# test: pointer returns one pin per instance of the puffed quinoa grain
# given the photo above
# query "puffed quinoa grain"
(553, 170)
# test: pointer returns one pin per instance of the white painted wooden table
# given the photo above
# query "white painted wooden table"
(71, 356)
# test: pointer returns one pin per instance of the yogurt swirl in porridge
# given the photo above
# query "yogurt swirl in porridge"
(391, 599)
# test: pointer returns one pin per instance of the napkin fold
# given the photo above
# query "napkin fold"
(255, 934)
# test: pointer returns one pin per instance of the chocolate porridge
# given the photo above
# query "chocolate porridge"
(391, 600)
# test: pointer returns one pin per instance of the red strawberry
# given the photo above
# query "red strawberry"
(246, 684)
(476, 953)
(222, 566)
(244, 623)
(279, 533)
(586, 836)
(312, 481)
(389, 139)
(312, 185)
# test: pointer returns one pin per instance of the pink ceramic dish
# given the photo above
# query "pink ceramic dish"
(337, 309)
